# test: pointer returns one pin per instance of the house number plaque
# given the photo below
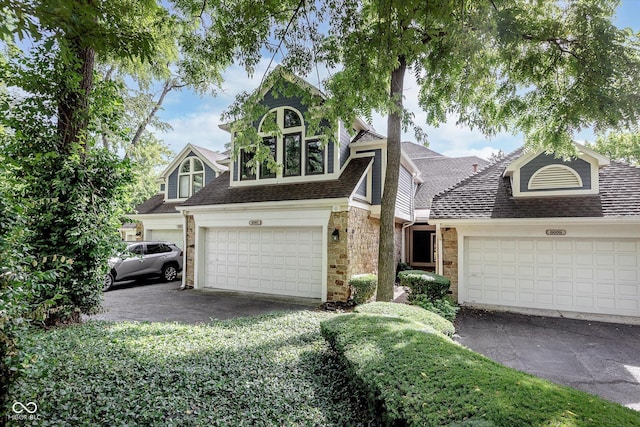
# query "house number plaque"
(556, 232)
(255, 222)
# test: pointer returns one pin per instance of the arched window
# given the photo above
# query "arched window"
(291, 148)
(190, 178)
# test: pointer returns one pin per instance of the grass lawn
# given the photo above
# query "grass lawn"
(269, 370)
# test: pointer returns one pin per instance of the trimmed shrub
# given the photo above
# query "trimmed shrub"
(442, 307)
(412, 313)
(413, 378)
(432, 286)
(363, 287)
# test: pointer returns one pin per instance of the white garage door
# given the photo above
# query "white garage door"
(583, 275)
(174, 236)
(266, 260)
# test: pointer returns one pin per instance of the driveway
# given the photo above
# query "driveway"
(165, 302)
(599, 358)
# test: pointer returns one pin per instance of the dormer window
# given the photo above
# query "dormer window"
(190, 178)
(291, 149)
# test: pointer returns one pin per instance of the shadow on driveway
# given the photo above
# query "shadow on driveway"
(165, 302)
(599, 358)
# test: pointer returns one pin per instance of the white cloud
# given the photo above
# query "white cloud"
(449, 138)
(199, 128)
(199, 125)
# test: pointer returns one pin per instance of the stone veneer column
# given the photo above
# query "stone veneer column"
(450, 257)
(139, 229)
(189, 268)
(364, 240)
(337, 258)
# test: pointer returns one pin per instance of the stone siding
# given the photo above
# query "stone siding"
(450, 257)
(364, 238)
(189, 267)
(139, 231)
(355, 253)
(397, 242)
(338, 258)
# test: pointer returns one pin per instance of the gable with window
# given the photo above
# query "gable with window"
(190, 177)
(299, 154)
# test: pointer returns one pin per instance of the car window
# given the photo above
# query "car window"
(136, 249)
(154, 248)
(166, 248)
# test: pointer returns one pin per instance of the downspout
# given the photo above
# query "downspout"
(439, 257)
(183, 286)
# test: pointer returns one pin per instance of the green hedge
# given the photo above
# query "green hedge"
(363, 287)
(415, 378)
(431, 285)
(408, 312)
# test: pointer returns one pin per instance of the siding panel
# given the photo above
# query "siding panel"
(403, 201)
(582, 167)
(376, 176)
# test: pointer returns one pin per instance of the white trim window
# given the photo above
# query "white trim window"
(298, 155)
(190, 177)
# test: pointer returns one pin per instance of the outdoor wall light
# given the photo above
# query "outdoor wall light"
(335, 236)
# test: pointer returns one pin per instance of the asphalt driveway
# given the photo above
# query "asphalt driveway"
(165, 302)
(599, 358)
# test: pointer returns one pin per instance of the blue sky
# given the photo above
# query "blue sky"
(195, 119)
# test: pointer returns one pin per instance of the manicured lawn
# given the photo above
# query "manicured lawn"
(420, 377)
(263, 371)
(278, 370)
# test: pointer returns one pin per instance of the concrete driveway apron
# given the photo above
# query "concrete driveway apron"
(599, 358)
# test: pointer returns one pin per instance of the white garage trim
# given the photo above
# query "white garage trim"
(614, 232)
(317, 217)
(597, 275)
(272, 260)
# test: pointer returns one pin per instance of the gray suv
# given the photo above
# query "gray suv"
(145, 259)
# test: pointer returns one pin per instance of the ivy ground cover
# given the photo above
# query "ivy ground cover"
(260, 371)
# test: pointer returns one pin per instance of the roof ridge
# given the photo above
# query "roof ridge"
(482, 170)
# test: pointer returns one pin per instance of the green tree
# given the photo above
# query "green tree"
(619, 146)
(545, 68)
(71, 191)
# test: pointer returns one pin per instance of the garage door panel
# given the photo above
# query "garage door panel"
(271, 260)
(168, 235)
(588, 275)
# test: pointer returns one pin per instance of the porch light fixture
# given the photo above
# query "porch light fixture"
(335, 236)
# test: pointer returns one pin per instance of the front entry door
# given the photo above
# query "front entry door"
(422, 244)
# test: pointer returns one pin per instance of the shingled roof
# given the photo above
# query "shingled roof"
(416, 151)
(219, 192)
(488, 194)
(156, 205)
(438, 172)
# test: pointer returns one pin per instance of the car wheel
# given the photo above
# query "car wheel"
(169, 273)
(108, 282)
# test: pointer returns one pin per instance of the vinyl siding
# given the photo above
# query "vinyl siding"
(582, 167)
(376, 176)
(403, 200)
(345, 139)
(172, 182)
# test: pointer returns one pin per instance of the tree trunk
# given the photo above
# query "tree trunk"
(73, 103)
(168, 86)
(386, 251)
